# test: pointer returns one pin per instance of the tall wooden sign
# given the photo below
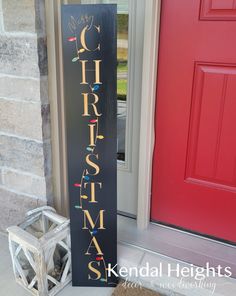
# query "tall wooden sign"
(89, 55)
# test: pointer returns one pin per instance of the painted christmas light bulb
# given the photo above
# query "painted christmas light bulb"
(96, 87)
(81, 50)
(93, 232)
(84, 196)
(75, 59)
(93, 120)
(71, 39)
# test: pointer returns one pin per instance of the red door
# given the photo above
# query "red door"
(194, 171)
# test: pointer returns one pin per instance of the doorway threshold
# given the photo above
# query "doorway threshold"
(161, 243)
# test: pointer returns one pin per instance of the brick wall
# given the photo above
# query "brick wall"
(25, 150)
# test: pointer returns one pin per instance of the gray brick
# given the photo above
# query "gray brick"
(19, 55)
(22, 154)
(21, 118)
(22, 88)
(42, 56)
(49, 190)
(44, 89)
(1, 18)
(14, 207)
(19, 15)
(47, 158)
(40, 19)
(24, 183)
(46, 121)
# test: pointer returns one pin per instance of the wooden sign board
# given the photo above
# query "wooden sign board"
(89, 57)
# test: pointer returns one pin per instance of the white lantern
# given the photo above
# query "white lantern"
(41, 252)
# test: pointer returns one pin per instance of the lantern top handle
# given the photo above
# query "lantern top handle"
(40, 209)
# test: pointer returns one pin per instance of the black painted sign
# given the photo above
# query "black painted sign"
(89, 57)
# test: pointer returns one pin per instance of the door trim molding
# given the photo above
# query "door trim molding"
(57, 112)
(147, 120)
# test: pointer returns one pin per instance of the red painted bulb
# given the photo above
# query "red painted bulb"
(71, 39)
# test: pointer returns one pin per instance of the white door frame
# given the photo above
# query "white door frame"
(57, 108)
(148, 98)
